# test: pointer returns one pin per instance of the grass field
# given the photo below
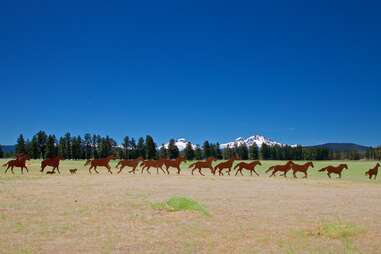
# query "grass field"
(189, 214)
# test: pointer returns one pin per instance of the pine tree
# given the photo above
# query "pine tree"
(140, 148)
(133, 153)
(189, 152)
(163, 153)
(173, 150)
(206, 150)
(50, 147)
(88, 153)
(265, 152)
(126, 147)
(243, 152)
(1, 152)
(253, 152)
(218, 152)
(20, 146)
(150, 148)
(41, 142)
(33, 148)
(198, 153)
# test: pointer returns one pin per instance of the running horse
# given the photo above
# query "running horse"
(334, 169)
(373, 171)
(19, 162)
(100, 163)
(281, 168)
(203, 164)
(53, 162)
(301, 168)
(147, 164)
(224, 165)
(248, 166)
(129, 163)
(174, 164)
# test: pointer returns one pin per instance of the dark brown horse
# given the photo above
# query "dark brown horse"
(281, 168)
(129, 163)
(52, 162)
(334, 169)
(224, 165)
(174, 164)
(248, 166)
(19, 162)
(203, 164)
(373, 171)
(100, 163)
(301, 168)
(147, 164)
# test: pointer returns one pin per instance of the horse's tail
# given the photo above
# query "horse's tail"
(192, 165)
(323, 169)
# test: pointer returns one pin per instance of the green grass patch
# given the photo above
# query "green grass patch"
(176, 204)
(337, 230)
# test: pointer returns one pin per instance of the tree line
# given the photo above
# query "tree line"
(43, 145)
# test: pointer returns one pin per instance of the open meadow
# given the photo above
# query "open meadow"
(126, 213)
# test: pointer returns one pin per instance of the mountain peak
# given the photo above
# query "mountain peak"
(257, 139)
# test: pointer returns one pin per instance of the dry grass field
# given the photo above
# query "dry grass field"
(125, 213)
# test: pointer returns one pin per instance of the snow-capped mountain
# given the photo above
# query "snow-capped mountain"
(256, 139)
(181, 143)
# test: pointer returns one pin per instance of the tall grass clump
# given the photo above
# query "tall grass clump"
(175, 204)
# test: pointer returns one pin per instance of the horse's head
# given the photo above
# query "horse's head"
(290, 162)
(87, 162)
(378, 164)
(259, 163)
(211, 159)
(140, 158)
(345, 166)
(60, 157)
(310, 164)
(111, 157)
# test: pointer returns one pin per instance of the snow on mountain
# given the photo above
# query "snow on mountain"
(257, 139)
(181, 143)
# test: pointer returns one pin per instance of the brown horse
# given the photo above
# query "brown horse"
(100, 163)
(224, 165)
(334, 169)
(174, 164)
(52, 162)
(19, 162)
(147, 164)
(248, 166)
(373, 171)
(203, 164)
(129, 163)
(281, 168)
(301, 168)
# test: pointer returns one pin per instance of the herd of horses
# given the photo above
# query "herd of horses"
(165, 164)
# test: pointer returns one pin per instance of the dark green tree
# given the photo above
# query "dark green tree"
(198, 153)
(243, 152)
(51, 148)
(20, 146)
(253, 152)
(265, 152)
(140, 148)
(207, 151)
(173, 150)
(163, 153)
(150, 148)
(1, 152)
(126, 148)
(41, 141)
(189, 152)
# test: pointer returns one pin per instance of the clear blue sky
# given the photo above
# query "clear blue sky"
(302, 72)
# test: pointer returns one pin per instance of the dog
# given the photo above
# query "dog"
(73, 171)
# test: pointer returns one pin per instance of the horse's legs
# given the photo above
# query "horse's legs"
(109, 169)
(193, 170)
(167, 169)
(12, 170)
(294, 173)
(329, 174)
(58, 170)
(273, 174)
(236, 173)
(163, 170)
(90, 170)
(199, 170)
(305, 174)
(121, 168)
(148, 170)
(95, 169)
(255, 172)
(178, 170)
(229, 169)
(27, 170)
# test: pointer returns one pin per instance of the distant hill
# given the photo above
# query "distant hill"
(341, 147)
(8, 148)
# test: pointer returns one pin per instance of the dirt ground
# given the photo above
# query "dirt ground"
(113, 214)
